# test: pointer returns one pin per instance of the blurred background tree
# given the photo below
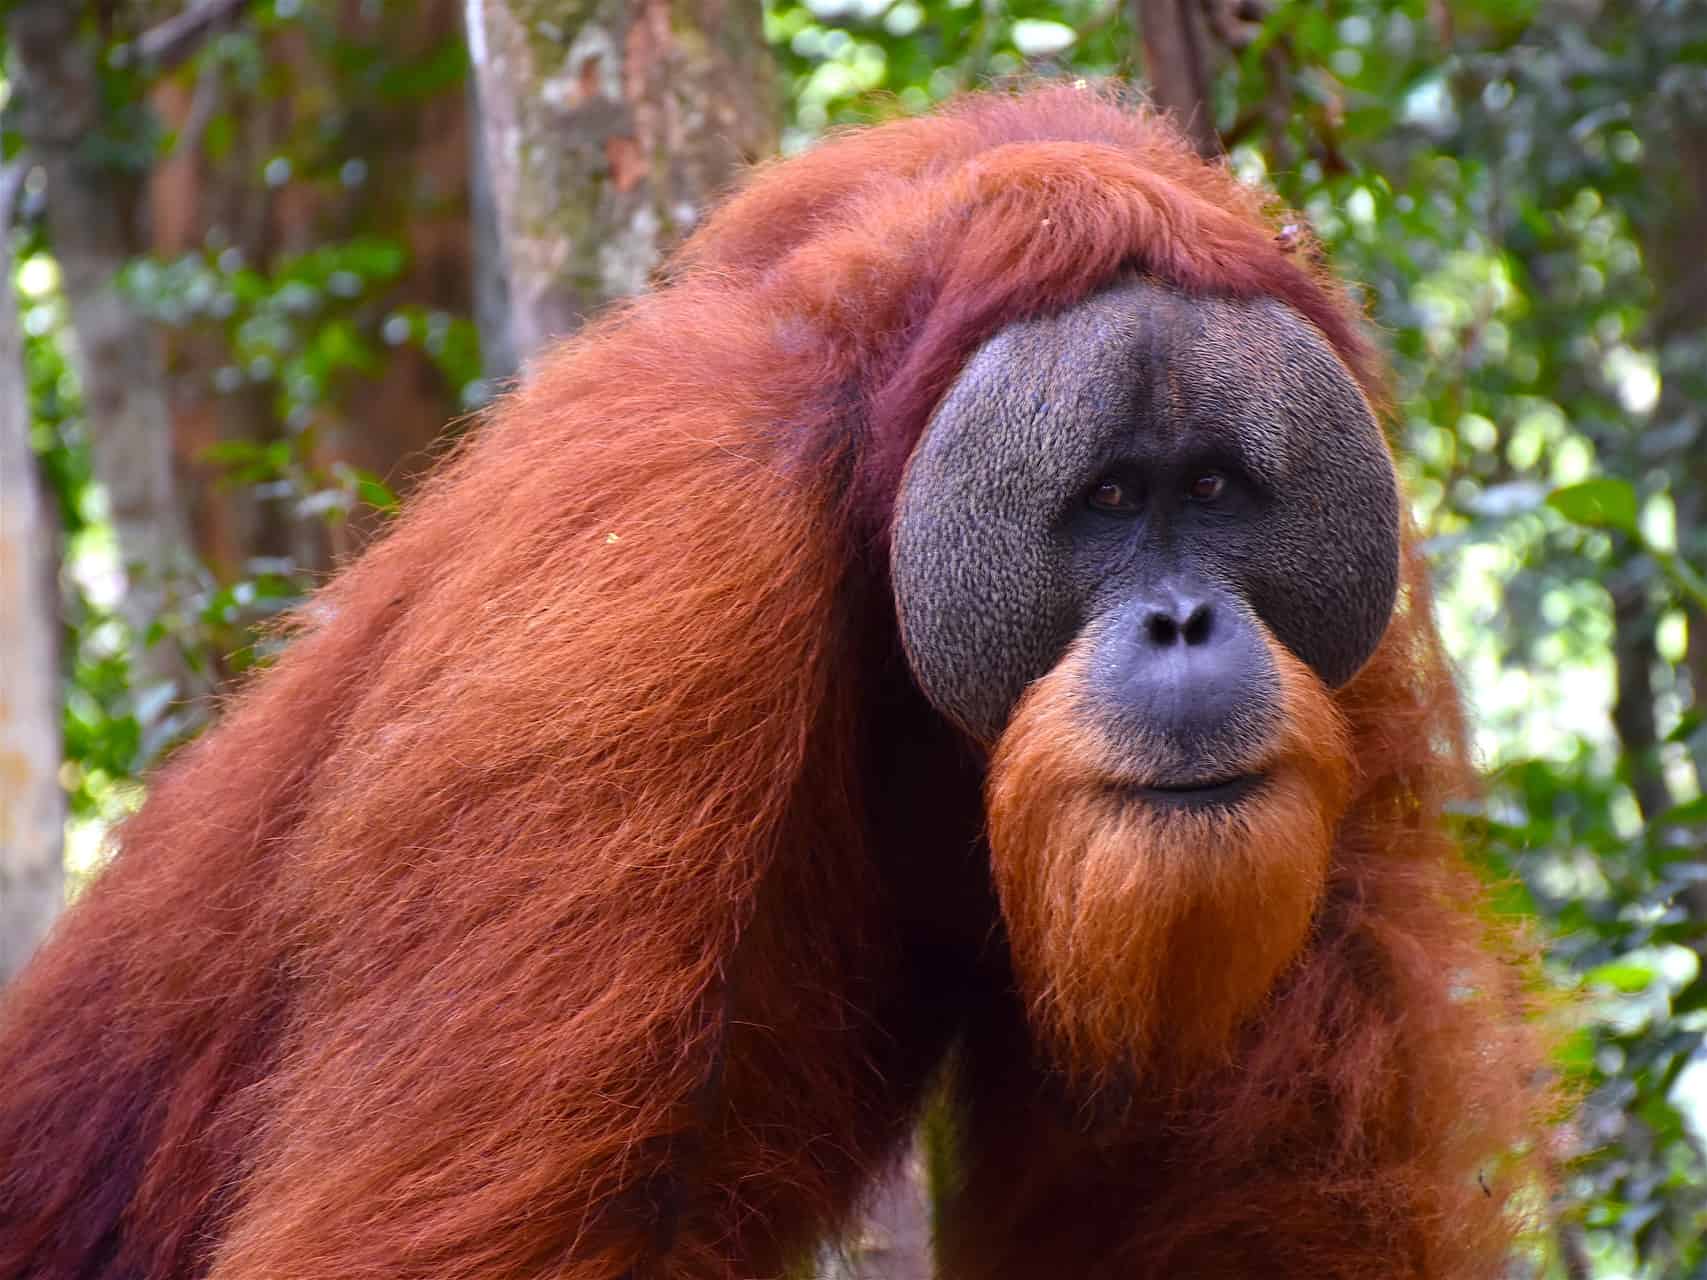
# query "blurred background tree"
(263, 251)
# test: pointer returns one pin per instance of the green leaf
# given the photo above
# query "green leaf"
(1575, 1055)
(1511, 899)
(1692, 998)
(1687, 813)
(1602, 503)
(1624, 976)
(376, 494)
(1687, 724)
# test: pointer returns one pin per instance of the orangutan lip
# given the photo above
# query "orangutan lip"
(1194, 795)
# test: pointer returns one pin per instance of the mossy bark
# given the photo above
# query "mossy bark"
(32, 804)
(607, 126)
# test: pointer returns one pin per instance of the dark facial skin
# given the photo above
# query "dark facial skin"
(1157, 473)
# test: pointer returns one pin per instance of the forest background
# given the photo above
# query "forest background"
(256, 254)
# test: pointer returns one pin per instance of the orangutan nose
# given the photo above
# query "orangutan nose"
(1182, 664)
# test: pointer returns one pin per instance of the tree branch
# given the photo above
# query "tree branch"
(11, 183)
(1635, 652)
(175, 41)
(1235, 23)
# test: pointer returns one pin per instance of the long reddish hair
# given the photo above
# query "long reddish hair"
(1380, 1112)
(421, 962)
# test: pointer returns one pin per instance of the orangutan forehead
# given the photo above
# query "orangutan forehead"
(1251, 377)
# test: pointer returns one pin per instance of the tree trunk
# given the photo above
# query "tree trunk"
(117, 351)
(498, 360)
(32, 805)
(607, 127)
(1177, 68)
(1672, 243)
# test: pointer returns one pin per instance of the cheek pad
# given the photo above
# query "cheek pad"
(983, 594)
(1321, 566)
(1325, 574)
(977, 592)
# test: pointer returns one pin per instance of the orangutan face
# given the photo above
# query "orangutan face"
(1139, 544)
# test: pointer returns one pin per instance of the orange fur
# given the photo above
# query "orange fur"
(1379, 1111)
(588, 892)
(1145, 935)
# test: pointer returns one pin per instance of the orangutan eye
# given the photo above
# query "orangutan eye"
(1206, 487)
(1109, 494)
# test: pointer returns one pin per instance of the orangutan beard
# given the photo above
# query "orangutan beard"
(1145, 934)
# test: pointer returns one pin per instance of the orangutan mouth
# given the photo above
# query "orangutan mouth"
(1223, 793)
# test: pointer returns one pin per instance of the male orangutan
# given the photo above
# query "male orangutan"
(958, 634)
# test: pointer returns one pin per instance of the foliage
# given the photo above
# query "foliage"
(851, 60)
(298, 330)
(102, 734)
